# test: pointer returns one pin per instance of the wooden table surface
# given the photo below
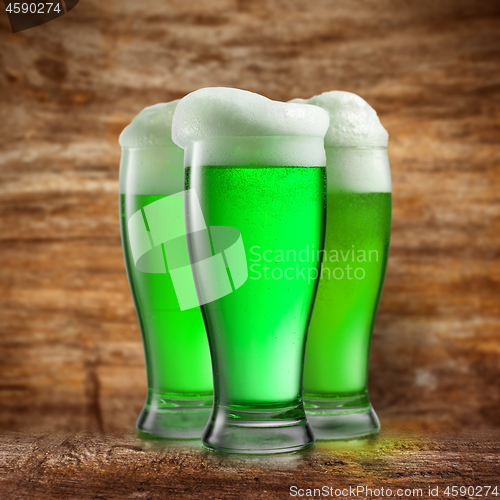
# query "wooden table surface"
(67, 465)
(70, 349)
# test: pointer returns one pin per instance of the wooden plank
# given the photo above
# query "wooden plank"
(64, 465)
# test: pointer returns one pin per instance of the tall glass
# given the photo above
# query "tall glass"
(154, 245)
(354, 263)
(257, 333)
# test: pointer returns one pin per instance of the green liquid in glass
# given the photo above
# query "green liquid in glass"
(175, 343)
(338, 345)
(257, 332)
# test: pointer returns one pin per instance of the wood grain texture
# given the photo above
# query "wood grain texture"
(70, 348)
(69, 466)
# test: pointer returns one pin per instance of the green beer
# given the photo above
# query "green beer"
(175, 344)
(255, 167)
(356, 252)
(267, 317)
(176, 349)
(355, 257)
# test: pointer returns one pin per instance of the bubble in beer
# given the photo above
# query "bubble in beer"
(353, 122)
(151, 127)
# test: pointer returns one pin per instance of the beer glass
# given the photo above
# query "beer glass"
(154, 244)
(354, 262)
(272, 190)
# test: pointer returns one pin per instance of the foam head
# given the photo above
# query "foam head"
(151, 163)
(151, 127)
(224, 126)
(353, 122)
(355, 143)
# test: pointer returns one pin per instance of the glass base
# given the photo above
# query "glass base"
(348, 418)
(175, 419)
(258, 432)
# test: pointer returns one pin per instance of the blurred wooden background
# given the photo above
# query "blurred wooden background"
(70, 347)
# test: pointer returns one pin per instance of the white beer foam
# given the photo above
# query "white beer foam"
(151, 127)
(355, 144)
(358, 170)
(151, 163)
(224, 126)
(353, 122)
